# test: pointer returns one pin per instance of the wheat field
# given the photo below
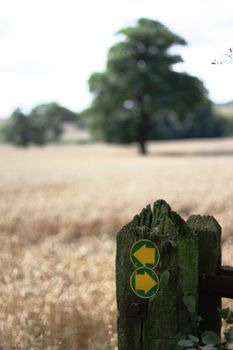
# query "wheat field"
(61, 207)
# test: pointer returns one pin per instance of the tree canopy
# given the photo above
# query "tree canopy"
(44, 124)
(47, 122)
(17, 129)
(140, 83)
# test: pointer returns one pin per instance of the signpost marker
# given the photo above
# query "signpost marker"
(144, 253)
(150, 313)
(144, 282)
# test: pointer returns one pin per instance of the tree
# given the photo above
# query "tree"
(17, 129)
(203, 123)
(139, 82)
(227, 57)
(47, 121)
(44, 124)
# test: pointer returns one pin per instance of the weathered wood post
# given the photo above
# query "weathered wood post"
(209, 237)
(152, 323)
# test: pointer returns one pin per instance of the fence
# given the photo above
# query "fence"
(168, 273)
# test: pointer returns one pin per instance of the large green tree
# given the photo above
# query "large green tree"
(140, 83)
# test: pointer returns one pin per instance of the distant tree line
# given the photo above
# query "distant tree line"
(203, 123)
(44, 124)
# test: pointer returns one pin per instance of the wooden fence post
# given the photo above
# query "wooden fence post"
(209, 236)
(151, 324)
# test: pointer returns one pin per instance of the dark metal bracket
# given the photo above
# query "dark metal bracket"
(220, 284)
(137, 307)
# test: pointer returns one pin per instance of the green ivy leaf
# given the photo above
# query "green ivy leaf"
(164, 278)
(193, 338)
(176, 339)
(186, 343)
(229, 335)
(227, 315)
(210, 338)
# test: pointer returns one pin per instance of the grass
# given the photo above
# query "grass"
(60, 209)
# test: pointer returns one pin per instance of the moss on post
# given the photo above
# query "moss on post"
(209, 236)
(128, 329)
(167, 314)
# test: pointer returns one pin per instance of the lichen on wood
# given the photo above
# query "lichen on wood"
(167, 313)
(209, 236)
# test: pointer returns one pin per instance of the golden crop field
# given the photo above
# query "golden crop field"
(61, 207)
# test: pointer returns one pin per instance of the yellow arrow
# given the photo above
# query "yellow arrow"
(145, 255)
(144, 282)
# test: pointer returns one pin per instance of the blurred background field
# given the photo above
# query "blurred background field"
(61, 207)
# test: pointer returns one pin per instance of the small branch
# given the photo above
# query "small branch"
(229, 55)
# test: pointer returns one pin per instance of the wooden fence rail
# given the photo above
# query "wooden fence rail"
(168, 272)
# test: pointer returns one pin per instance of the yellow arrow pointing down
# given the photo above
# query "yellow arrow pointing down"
(145, 255)
(144, 282)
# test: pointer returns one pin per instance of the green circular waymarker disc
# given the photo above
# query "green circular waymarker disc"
(145, 253)
(144, 282)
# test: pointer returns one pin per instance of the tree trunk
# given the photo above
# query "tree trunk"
(143, 148)
(143, 128)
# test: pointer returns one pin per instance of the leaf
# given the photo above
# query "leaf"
(185, 342)
(178, 337)
(210, 338)
(190, 303)
(193, 338)
(227, 315)
(164, 278)
(229, 335)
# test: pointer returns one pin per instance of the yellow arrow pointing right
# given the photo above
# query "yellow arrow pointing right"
(144, 282)
(145, 255)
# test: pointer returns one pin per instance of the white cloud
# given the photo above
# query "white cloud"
(49, 48)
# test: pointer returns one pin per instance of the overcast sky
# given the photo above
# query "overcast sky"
(49, 48)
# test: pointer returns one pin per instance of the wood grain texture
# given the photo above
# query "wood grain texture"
(209, 236)
(167, 315)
